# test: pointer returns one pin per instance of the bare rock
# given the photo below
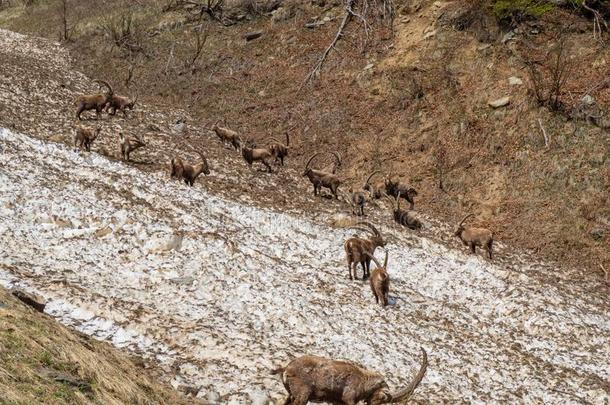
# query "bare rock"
(253, 35)
(501, 102)
(33, 300)
(515, 81)
(597, 233)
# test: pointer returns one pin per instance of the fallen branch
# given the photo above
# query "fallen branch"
(598, 19)
(315, 72)
(546, 138)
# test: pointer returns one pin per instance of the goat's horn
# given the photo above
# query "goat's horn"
(370, 256)
(465, 218)
(370, 226)
(371, 175)
(310, 159)
(404, 395)
(105, 83)
(287, 139)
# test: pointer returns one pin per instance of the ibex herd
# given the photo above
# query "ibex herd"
(307, 378)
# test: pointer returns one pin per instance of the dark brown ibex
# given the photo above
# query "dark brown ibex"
(227, 135)
(279, 150)
(474, 237)
(404, 217)
(321, 178)
(357, 250)
(189, 172)
(95, 102)
(120, 103)
(128, 145)
(380, 280)
(318, 379)
(253, 154)
(397, 189)
(84, 137)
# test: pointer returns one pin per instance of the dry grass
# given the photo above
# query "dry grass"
(31, 342)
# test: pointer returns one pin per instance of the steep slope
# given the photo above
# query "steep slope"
(42, 361)
(414, 104)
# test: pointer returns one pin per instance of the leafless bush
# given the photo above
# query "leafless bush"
(549, 77)
(197, 45)
(125, 33)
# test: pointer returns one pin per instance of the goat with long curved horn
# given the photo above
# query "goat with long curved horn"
(318, 379)
(279, 150)
(473, 237)
(380, 280)
(320, 178)
(95, 102)
(359, 250)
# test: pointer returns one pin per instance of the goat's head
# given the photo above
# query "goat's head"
(460, 228)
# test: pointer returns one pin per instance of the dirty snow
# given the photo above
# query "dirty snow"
(218, 292)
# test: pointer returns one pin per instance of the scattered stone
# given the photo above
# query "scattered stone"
(183, 280)
(369, 66)
(253, 35)
(315, 24)
(515, 81)
(508, 36)
(262, 93)
(213, 397)
(587, 100)
(189, 390)
(282, 14)
(33, 300)
(501, 102)
(66, 378)
(430, 34)
(597, 233)
(483, 47)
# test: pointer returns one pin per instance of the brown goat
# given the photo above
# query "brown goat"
(120, 103)
(318, 379)
(321, 178)
(380, 280)
(253, 154)
(227, 135)
(279, 150)
(474, 237)
(95, 102)
(375, 190)
(84, 137)
(189, 172)
(357, 250)
(397, 189)
(357, 199)
(404, 217)
(128, 145)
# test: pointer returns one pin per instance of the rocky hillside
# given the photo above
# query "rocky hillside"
(416, 101)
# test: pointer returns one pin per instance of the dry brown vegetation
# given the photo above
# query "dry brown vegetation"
(412, 102)
(43, 362)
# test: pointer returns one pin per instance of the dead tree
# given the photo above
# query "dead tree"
(364, 11)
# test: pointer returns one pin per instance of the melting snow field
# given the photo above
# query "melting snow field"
(219, 292)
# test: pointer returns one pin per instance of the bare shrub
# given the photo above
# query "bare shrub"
(548, 77)
(124, 33)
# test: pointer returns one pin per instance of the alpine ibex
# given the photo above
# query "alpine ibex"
(375, 190)
(84, 137)
(396, 189)
(253, 154)
(357, 199)
(474, 237)
(95, 102)
(279, 150)
(321, 178)
(189, 172)
(318, 379)
(357, 249)
(128, 145)
(404, 217)
(380, 280)
(120, 103)
(227, 135)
